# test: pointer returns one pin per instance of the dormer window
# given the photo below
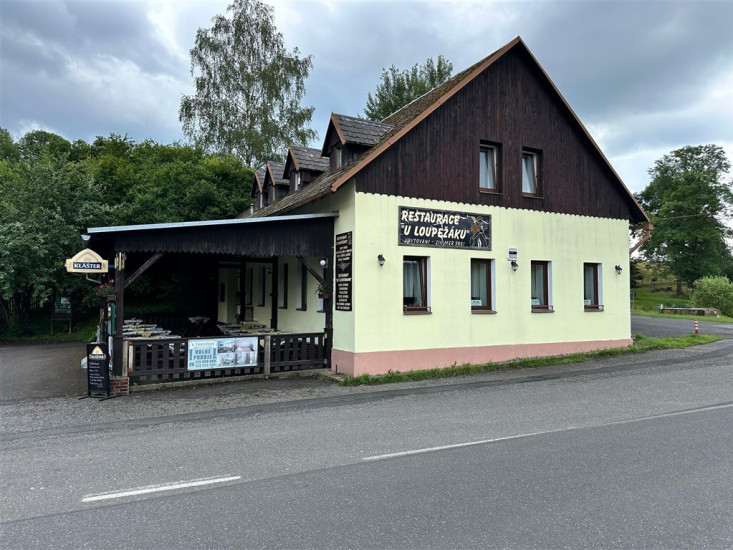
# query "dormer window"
(338, 156)
(297, 180)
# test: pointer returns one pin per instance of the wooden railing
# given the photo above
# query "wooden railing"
(166, 360)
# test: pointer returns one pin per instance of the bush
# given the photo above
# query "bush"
(714, 292)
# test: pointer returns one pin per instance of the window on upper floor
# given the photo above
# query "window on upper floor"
(541, 290)
(481, 285)
(338, 156)
(488, 168)
(297, 180)
(531, 173)
(415, 283)
(592, 287)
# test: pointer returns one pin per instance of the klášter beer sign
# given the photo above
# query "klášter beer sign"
(444, 229)
(87, 261)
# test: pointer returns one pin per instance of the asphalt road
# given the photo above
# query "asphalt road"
(664, 328)
(628, 455)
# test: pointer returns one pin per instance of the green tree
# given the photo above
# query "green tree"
(714, 292)
(46, 202)
(248, 87)
(398, 88)
(687, 200)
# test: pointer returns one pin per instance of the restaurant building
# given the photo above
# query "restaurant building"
(479, 223)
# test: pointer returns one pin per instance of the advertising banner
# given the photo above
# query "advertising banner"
(444, 229)
(222, 353)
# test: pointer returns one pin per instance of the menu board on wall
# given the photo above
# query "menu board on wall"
(444, 229)
(344, 263)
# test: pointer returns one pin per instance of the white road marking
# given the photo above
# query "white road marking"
(519, 436)
(160, 488)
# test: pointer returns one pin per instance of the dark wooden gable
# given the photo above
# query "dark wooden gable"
(513, 105)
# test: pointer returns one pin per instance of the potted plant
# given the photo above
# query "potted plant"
(323, 291)
(106, 290)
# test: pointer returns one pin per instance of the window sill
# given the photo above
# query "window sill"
(530, 196)
(282, 307)
(425, 311)
(483, 312)
(543, 309)
(592, 309)
(301, 309)
(489, 191)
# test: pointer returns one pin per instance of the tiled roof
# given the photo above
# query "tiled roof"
(259, 180)
(359, 130)
(393, 127)
(306, 158)
(382, 131)
(275, 169)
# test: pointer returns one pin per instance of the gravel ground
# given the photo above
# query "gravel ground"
(30, 415)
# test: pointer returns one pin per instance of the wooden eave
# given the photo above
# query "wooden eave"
(309, 235)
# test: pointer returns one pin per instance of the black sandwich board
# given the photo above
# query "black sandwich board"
(98, 371)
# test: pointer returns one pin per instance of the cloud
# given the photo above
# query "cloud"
(644, 77)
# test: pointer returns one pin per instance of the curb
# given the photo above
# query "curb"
(322, 374)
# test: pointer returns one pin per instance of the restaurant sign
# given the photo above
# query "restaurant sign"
(344, 272)
(444, 229)
(87, 261)
(222, 353)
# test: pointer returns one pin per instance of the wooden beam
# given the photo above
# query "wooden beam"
(143, 268)
(317, 276)
(647, 228)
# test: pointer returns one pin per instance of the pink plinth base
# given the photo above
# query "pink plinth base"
(381, 362)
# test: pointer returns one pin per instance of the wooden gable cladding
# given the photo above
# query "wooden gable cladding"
(511, 104)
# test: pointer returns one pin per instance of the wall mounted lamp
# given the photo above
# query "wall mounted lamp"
(515, 265)
(323, 262)
(619, 269)
(381, 260)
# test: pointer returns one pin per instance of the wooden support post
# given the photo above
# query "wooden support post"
(117, 355)
(268, 355)
(274, 291)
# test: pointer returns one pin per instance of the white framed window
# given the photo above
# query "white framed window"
(339, 160)
(416, 284)
(488, 155)
(530, 169)
(482, 285)
(592, 287)
(541, 281)
(297, 180)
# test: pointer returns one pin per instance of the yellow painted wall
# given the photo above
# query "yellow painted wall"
(343, 202)
(566, 241)
(291, 318)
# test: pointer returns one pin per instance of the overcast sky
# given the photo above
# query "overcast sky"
(644, 77)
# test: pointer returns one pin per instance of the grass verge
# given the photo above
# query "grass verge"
(641, 344)
(701, 318)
